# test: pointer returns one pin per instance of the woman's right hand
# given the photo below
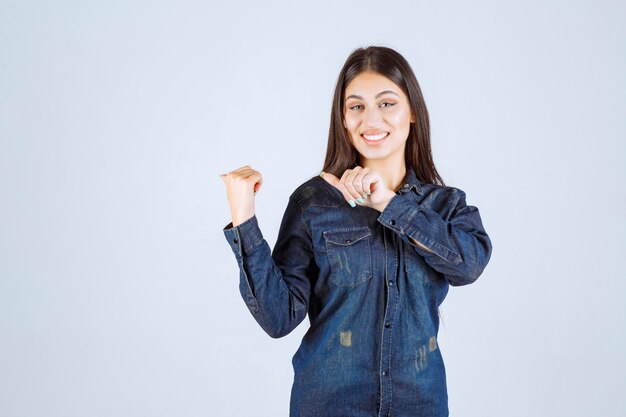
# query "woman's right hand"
(241, 187)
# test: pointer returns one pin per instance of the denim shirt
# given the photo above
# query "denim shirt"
(372, 294)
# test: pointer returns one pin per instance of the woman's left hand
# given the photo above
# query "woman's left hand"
(364, 183)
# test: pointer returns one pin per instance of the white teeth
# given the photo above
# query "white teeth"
(375, 137)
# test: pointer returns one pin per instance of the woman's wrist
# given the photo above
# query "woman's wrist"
(241, 217)
(381, 207)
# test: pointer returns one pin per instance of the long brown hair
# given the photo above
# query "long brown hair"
(341, 154)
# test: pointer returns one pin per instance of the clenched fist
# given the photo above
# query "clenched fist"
(241, 187)
(362, 186)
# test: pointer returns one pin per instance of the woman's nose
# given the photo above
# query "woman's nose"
(373, 116)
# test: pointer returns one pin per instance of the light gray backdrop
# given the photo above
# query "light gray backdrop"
(118, 291)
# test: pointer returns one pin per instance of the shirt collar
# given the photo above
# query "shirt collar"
(410, 182)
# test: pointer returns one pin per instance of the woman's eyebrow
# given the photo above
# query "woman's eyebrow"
(377, 95)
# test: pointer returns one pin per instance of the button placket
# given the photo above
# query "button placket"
(390, 315)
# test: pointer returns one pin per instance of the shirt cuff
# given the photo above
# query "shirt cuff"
(401, 215)
(398, 213)
(244, 237)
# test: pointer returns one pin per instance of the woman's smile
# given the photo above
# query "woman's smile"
(374, 136)
(375, 140)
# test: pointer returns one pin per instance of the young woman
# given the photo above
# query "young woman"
(368, 249)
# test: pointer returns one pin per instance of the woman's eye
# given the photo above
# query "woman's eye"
(382, 104)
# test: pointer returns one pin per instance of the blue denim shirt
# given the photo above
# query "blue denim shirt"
(372, 295)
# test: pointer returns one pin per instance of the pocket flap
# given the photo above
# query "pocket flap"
(347, 236)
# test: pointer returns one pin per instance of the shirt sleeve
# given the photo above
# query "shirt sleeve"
(456, 241)
(275, 285)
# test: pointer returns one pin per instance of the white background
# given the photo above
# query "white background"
(118, 291)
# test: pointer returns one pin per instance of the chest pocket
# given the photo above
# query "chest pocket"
(349, 255)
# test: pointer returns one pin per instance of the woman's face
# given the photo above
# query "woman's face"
(377, 117)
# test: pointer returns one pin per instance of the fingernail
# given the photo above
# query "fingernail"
(360, 199)
(352, 203)
(365, 197)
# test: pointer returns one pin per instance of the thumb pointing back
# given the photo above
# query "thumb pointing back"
(330, 178)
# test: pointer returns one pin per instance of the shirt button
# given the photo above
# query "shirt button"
(391, 283)
(384, 373)
(393, 222)
(387, 325)
(406, 185)
(235, 240)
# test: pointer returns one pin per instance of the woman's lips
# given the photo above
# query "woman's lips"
(375, 139)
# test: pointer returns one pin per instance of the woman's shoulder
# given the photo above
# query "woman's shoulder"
(448, 190)
(443, 198)
(315, 191)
